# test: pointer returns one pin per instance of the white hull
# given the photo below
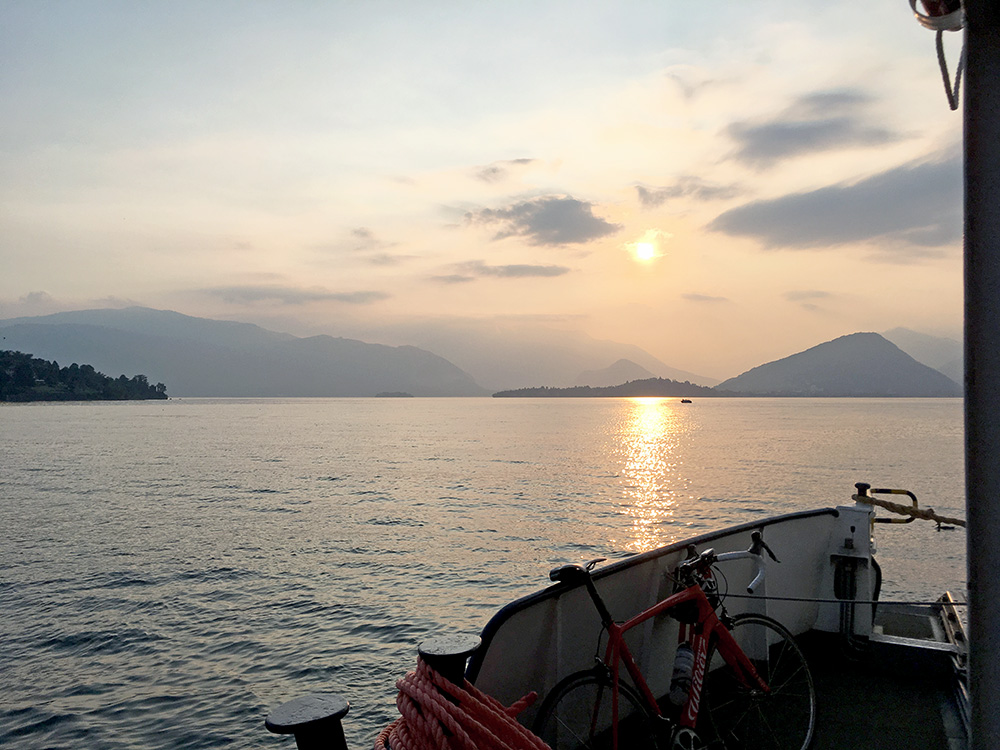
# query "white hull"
(821, 591)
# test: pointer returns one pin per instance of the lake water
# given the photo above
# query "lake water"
(170, 571)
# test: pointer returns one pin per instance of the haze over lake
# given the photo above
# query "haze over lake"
(173, 570)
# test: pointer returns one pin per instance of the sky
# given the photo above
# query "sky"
(721, 183)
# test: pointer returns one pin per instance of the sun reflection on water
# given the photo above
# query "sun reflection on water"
(648, 447)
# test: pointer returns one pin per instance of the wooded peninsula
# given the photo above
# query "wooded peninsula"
(650, 387)
(25, 378)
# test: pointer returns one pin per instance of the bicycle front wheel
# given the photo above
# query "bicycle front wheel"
(750, 719)
(577, 715)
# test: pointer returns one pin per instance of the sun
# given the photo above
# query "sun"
(650, 246)
(645, 250)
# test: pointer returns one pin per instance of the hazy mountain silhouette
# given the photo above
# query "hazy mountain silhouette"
(510, 354)
(202, 357)
(861, 364)
(943, 354)
(164, 323)
(621, 371)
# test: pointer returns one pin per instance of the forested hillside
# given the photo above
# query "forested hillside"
(648, 388)
(25, 378)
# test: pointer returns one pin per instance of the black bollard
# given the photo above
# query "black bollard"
(447, 655)
(313, 719)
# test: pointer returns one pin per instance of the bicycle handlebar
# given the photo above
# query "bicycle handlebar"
(575, 573)
(708, 558)
(758, 562)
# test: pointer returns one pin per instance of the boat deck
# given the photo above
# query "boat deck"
(895, 692)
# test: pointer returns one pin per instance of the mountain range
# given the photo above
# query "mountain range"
(512, 354)
(860, 364)
(203, 357)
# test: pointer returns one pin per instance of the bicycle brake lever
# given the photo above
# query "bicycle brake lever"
(758, 544)
(769, 552)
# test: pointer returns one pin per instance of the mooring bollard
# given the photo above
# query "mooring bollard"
(447, 655)
(315, 720)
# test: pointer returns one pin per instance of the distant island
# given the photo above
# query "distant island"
(648, 388)
(25, 378)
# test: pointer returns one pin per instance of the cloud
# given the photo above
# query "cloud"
(477, 269)
(914, 207)
(903, 256)
(364, 239)
(453, 278)
(688, 89)
(474, 269)
(364, 244)
(704, 298)
(693, 187)
(37, 298)
(387, 259)
(816, 122)
(32, 303)
(498, 171)
(514, 271)
(114, 302)
(292, 295)
(550, 221)
(806, 299)
(804, 295)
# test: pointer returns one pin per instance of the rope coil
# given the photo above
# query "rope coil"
(436, 714)
(926, 514)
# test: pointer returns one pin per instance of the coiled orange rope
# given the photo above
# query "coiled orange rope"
(436, 714)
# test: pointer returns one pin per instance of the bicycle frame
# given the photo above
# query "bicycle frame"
(706, 626)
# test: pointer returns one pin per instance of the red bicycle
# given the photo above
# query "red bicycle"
(739, 683)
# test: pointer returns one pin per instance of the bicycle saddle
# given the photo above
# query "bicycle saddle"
(573, 573)
(567, 573)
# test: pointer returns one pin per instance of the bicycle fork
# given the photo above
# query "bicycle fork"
(685, 736)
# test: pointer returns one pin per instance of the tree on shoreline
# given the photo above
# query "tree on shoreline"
(26, 378)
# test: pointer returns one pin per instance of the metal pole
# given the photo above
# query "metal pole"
(982, 363)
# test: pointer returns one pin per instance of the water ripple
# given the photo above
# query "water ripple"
(172, 574)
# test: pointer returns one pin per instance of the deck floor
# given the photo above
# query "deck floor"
(884, 699)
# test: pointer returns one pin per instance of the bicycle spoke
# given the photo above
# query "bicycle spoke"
(764, 723)
(577, 715)
(788, 680)
(569, 730)
(743, 718)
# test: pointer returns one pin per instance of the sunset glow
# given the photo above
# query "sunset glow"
(400, 174)
(645, 251)
(652, 476)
